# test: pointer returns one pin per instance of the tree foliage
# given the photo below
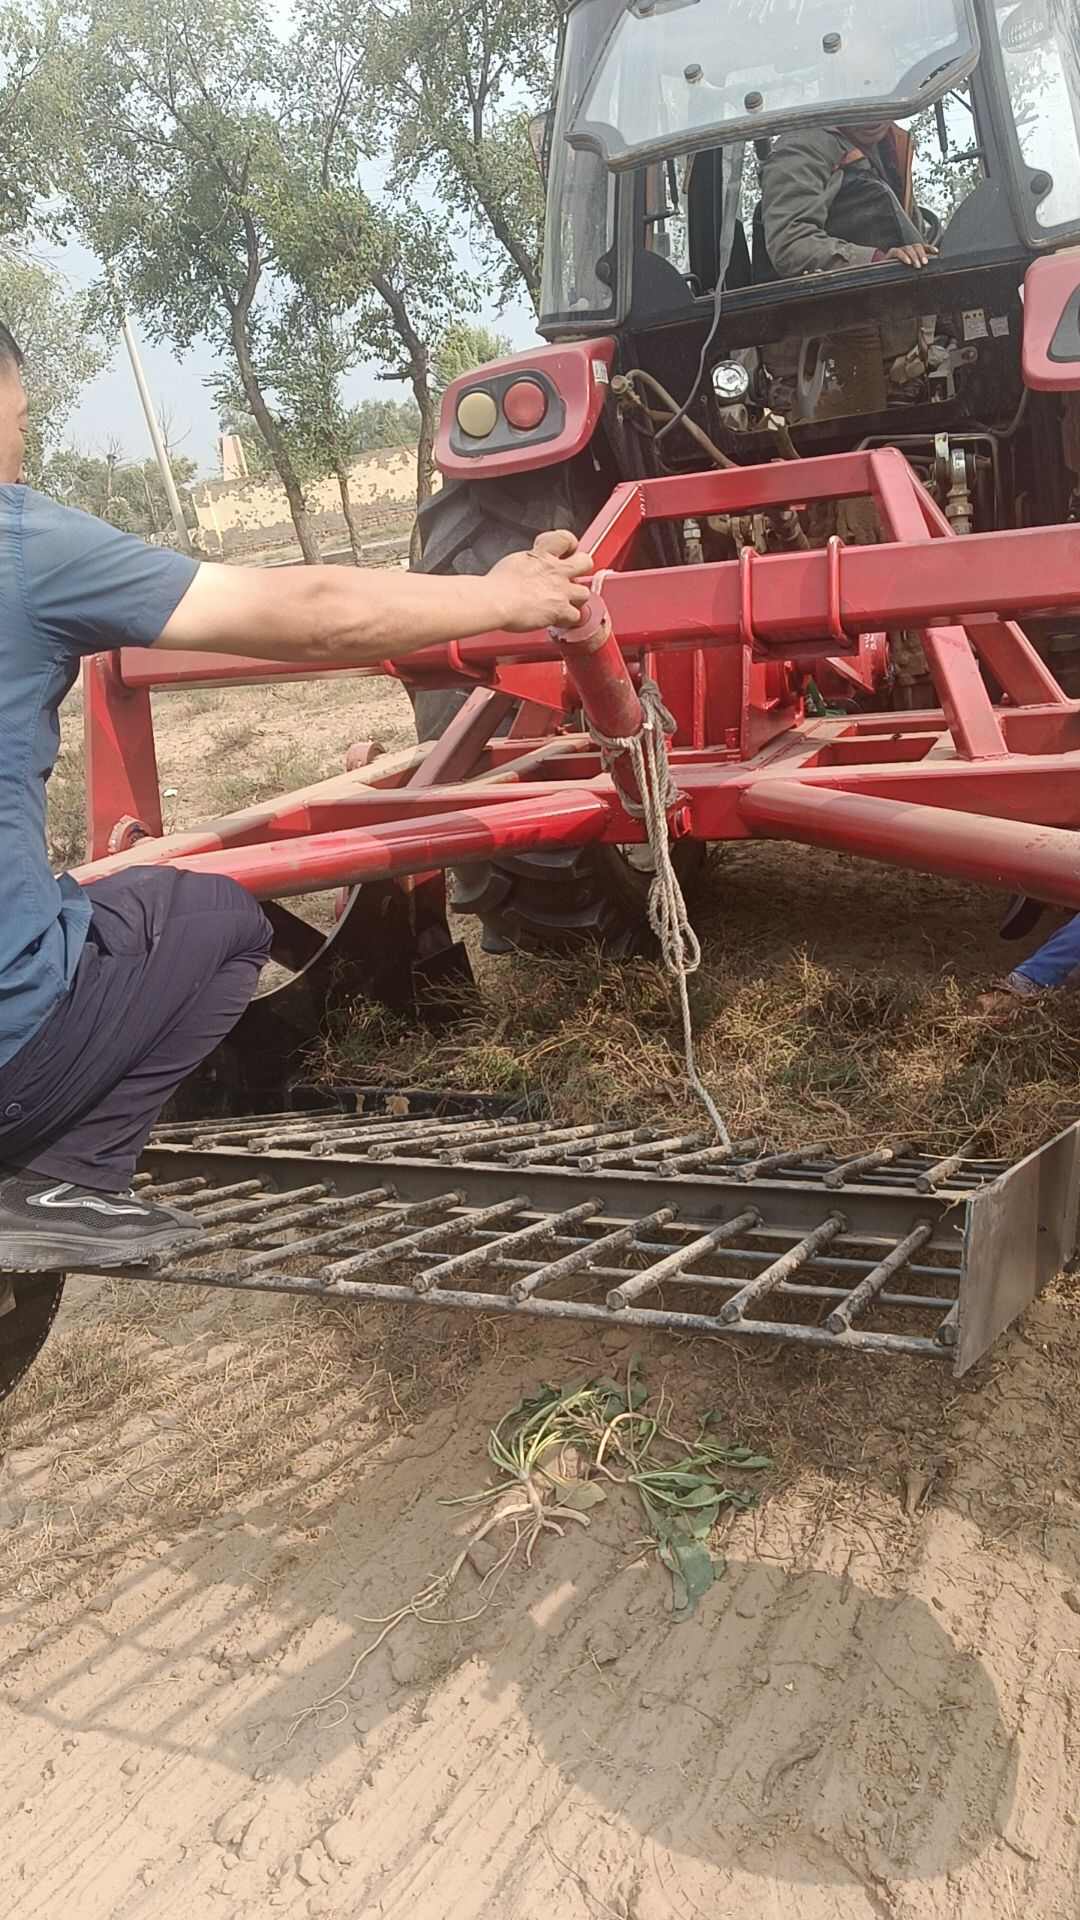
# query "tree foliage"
(454, 83)
(177, 135)
(63, 354)
(384, 268)
(463, 348)
(33, 103)
(129, 494)
(385, 423)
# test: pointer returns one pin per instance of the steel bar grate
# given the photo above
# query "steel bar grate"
(662, 1270)
(539, 1143)
(888, 1252)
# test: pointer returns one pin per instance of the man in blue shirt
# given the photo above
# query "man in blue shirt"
(109, 997)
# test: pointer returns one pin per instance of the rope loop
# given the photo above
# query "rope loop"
(680, 948)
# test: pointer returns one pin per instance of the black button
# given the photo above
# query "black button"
(13, 1111)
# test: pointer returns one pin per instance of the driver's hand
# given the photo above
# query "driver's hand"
(916, 255)
(545, 587)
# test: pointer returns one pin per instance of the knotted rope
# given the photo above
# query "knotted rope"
(680, 947)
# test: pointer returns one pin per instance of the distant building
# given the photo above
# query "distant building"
(234, 464)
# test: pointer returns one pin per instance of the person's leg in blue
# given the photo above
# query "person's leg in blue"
(1055, 964)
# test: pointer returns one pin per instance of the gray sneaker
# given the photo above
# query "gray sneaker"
(51, 1226)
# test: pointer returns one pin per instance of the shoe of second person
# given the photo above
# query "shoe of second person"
(53, 1226)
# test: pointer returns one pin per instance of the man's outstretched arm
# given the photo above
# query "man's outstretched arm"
(349, 616)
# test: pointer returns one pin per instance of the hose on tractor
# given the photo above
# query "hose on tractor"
(635, 752)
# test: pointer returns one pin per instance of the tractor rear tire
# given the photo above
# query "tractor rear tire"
(24, 1328)
(566, 897)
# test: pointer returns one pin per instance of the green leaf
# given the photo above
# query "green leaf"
(579, 1499)
(692, 1570)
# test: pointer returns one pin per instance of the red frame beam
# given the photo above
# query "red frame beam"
(962, 846)
(275, 869)
(987, 803)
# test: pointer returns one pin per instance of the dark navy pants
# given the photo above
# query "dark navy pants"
(170, 962)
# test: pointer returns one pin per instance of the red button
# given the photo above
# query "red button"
(525, 404)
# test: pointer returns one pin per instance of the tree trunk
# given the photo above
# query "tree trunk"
(342, 473)
(417, 374)
(524, 261)
(275, 444)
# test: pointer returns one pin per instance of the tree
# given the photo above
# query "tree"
(63, 354)
(385, 423)
(463, 348)
(176, 133)
(129, 494)
(32, 109)
(457, 82)
(386, 270)
(313, 354)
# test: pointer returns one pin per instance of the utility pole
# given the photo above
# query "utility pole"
(156, 440)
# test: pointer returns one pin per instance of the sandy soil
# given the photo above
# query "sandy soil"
(204, 1505)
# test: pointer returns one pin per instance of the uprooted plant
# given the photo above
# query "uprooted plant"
(556, 1455)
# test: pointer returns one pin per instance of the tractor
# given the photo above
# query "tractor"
(839, 575)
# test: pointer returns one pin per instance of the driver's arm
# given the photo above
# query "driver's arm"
(800, 181)
(356, 616)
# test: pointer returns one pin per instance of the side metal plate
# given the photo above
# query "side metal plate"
(1020, 1233)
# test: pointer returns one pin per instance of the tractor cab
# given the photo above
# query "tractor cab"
(667, 158)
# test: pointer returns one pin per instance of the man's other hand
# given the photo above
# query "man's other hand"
(916, 255)
(544, 587)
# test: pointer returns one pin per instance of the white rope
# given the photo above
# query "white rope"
(679, 945)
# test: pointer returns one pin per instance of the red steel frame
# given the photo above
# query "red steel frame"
(981, 791)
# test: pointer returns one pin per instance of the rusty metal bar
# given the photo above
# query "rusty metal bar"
(653, 1144)
(264, 1202)
(585, 1256)
(619, 1137)
(708, 1157)
(863, 1163)
(860, 1297)
(948, 1333)
(504, 1143)
(395, 1249)
(351, 1204)
(648, 1319)
(492, 1250)
(176, 1189)
(778, 1162)
(211, 1196)
(557, 1144)
(661, 1149)
(673, 1263)
(405, 1133)
(780, 1270)
(941, 1172)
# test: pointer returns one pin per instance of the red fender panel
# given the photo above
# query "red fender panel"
(1052, 323)
(575, 378)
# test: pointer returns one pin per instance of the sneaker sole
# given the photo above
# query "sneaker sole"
(73, 1253)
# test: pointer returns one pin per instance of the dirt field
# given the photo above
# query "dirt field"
(205, 1506)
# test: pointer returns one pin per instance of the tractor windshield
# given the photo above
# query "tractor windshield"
(1040, 44)
(578, 277)
(660, 76)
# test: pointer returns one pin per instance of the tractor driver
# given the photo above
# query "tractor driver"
(841, 197)
(110, 997)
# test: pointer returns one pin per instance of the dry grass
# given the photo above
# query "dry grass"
(175, 1406)
(67, 804)
(836, 1004)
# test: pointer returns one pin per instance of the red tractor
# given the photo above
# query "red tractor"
(815, 545)
(818, 508)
